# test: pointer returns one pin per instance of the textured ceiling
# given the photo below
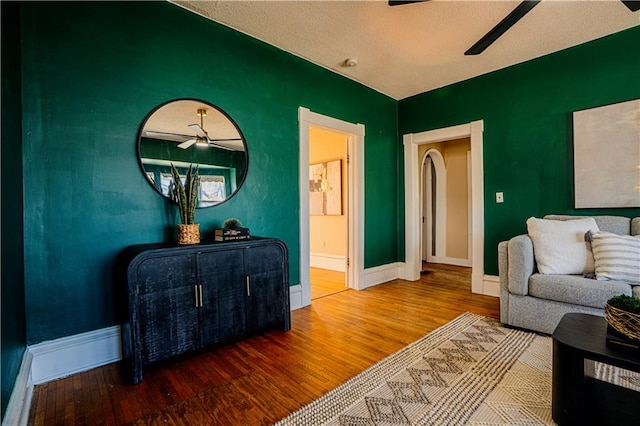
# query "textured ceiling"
(410, 49)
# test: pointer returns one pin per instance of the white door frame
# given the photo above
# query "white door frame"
(412, 166)
(355, 198)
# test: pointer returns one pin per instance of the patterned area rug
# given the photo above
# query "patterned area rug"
(471, 371)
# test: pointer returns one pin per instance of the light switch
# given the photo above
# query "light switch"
(499, 197)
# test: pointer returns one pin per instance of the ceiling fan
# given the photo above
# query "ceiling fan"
(516, 14)
(201, 137)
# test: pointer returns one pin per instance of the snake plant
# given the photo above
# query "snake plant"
(185, 195)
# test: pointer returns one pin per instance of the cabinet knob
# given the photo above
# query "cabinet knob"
(248, 286)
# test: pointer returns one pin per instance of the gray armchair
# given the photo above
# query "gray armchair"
(536, 301)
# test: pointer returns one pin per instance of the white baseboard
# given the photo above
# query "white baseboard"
(17, 413)
(451, 261)
(491, 286)
(295, 297)
(381, 274)
(69, 355)
(327, 261)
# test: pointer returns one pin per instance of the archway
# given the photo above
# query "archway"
(474, 131)
(434, 209)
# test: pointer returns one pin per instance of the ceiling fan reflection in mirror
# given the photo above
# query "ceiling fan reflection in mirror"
(516, 14)
(200, 139)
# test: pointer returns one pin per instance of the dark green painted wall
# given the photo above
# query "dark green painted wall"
(528, 140)
(13, 314)
(92, 72)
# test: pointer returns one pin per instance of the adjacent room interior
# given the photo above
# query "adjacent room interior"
(328, 221)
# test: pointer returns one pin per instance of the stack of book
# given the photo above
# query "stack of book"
(232, 234)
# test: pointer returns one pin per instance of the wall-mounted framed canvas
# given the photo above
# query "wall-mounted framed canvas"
(606, 156)
(325, 188)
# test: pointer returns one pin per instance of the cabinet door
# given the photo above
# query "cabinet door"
(167, 312)
(266, 283)
(222, 315)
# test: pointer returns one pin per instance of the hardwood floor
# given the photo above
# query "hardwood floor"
(260, 380)
(325, 282)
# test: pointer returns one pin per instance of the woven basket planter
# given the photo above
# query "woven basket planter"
(189, 234)
(622, 321)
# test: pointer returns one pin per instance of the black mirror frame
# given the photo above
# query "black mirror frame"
(209, 104)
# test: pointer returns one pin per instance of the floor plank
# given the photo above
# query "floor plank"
(325, 282)
(260, 380)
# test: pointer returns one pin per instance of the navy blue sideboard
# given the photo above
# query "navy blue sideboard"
(183, 298)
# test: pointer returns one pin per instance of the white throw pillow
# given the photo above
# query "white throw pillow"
(617, 257)
(560, 247)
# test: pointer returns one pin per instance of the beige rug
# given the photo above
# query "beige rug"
(471, 371)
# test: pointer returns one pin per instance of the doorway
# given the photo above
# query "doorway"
(354, 201)
(413, 219)
(446, 202)
(328, 190)
(433, 195)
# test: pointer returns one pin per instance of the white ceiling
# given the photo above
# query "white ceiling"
(409, 49)
(171, 122)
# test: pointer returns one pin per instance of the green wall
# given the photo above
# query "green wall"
(92, 72)
(528, 140)
(13, 314)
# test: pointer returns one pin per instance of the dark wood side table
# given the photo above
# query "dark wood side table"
(578, 398)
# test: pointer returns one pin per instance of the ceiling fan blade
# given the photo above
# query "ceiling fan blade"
(633, 6)
(212, 142)
(167, 136)
(401, 2)
(515, 15)
(215, 145)
(187, 144)
(225, 140)
(199, 130)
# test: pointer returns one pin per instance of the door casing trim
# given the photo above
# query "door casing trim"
(355, 197)
(474, 131)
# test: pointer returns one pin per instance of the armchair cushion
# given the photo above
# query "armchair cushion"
(575, 289)
(560, 247)
(617, 257)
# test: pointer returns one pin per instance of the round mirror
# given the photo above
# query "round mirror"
(189, 131)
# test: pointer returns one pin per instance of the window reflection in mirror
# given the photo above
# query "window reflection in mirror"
(189, 131)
